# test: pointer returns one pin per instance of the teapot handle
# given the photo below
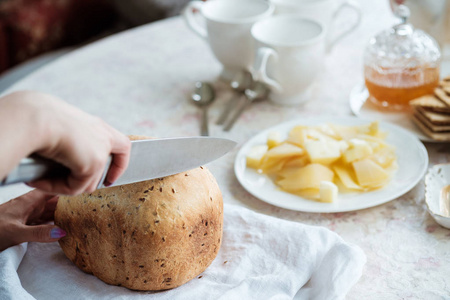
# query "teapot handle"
(350, 4)
(188, 14)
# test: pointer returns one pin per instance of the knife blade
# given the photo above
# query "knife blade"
(149, 159)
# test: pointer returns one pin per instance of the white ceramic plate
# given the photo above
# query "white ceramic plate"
(411, 155)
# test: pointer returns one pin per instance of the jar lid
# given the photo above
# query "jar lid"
(402, 45)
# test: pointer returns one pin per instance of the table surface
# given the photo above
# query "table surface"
(139, 81)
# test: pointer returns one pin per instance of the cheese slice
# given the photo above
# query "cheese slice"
(359, 149)
(328, 191)
(274, 139)
(384, 157)
(308, 177)
(275, 158)
(255, 155)
(369, 174)
(346, 177)
(323, 152)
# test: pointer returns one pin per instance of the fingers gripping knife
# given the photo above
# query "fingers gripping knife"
(149, 159)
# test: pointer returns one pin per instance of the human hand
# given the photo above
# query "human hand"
(23, 220)
(67, 135)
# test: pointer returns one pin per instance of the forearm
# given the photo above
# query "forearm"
(20, 130)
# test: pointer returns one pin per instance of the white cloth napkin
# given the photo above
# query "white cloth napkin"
(261, 258)
(10, 287)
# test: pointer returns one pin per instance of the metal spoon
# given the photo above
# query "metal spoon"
(259, 91)
(203, 96)
(243, 80)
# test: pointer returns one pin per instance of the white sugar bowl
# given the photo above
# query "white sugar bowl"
(437, 193)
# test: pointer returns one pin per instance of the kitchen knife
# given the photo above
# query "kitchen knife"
(149, 159)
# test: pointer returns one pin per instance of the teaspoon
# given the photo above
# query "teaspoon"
(259, 91)
(203, 96)
(242, 81)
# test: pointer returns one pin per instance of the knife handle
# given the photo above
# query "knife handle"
(36, 167)
(33, 168)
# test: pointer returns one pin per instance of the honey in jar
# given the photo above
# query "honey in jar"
(401, 64)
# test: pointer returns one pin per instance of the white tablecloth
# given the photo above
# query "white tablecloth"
(261, 258)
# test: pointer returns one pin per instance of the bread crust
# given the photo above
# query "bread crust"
(151, 235)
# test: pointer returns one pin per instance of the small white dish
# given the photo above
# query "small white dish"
(437, 178)
(412, 161)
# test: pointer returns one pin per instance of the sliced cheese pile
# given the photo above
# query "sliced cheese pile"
(316, 162)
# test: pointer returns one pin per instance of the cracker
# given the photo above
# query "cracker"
(443, 84)
(430, 102)
(438, 136)
(446, 79)
(430, 125)
(442, 95)
(446, 89)
(435, 117)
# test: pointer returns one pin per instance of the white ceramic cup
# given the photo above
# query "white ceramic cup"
(227, 29)
(324, 11)
(290, 51)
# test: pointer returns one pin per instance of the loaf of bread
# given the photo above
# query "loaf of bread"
(151, 235)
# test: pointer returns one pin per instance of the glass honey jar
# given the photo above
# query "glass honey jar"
(401, 64)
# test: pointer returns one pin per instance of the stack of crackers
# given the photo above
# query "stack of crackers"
(432, 112)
